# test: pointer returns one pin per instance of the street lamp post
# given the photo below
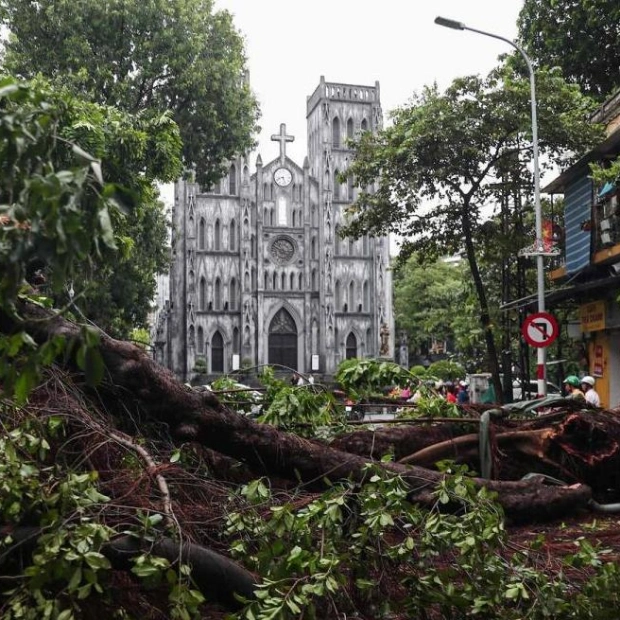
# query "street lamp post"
(539, 249)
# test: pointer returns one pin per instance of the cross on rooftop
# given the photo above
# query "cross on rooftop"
(282, 138)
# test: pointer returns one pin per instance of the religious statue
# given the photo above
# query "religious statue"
(385, 340)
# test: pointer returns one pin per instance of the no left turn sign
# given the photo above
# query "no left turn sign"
(540, 329)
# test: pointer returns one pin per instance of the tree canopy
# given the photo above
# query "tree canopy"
(449, 157)
(148, 56)
(132, 153)
(579, 36)
(425, 298)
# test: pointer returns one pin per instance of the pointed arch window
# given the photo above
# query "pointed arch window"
(336, 185)
(292, 282)
(217, 353)
(336, 132)
(300, 280)
(200, 341)
(236, 343)
(352, 295)
(217, 236)
(314, 281)
(350, 129)
(232, 180)
(232, 237)
(282, 214)
(202, 294)
(246, 174)
(338, 293)
(351, 346)
(313, 247)
(232, 302)
(364, 125)
(283, 281)
(202, 227)
(217, 302)
(350, 188)
(365, 297)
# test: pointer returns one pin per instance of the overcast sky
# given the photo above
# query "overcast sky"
(290, 44)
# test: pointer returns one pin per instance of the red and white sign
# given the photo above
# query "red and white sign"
(540, 329)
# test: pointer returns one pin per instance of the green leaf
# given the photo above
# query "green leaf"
(94, 368)
(83, 155)
(106, 228)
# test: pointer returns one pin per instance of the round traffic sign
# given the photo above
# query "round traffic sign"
(540, 329)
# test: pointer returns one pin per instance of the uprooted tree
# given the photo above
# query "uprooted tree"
(123, 491)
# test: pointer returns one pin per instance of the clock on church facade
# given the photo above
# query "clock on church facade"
(259, 274)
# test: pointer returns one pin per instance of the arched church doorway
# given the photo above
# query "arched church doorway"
(283, 340)
(351, 346)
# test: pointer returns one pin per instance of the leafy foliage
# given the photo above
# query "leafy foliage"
(457, 565)
(58, 212)
(60, 508)
(581, 38)
(448, 156)
(446, 370)
(48, 214)
(146, 58)
(425, 297)
(361, 378)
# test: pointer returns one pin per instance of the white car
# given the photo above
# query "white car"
(531, 391)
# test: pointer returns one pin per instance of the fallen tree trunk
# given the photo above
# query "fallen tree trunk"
(399, 441)
(530, 442)
(133, 376)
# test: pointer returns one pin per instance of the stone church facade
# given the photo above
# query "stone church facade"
(259, 273)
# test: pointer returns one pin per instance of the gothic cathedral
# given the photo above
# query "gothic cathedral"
(259, 272)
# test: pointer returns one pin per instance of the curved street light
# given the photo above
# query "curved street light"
(539, 249)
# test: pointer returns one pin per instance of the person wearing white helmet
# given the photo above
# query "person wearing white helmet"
(592, 397)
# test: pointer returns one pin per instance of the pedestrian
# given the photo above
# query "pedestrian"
(591, 395)
(462, 396)
(450, 395)
(571, 387)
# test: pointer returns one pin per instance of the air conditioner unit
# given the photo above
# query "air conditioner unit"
(606, 238)
(605, 225)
